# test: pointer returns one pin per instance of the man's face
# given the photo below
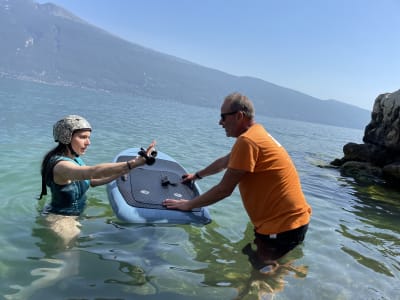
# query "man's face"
(228, 119)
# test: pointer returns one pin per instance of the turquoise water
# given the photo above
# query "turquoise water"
(351, 250)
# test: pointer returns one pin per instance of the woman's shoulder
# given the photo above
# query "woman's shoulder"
(76, 160)
(57, 158)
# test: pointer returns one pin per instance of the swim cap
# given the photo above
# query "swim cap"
(65, 128)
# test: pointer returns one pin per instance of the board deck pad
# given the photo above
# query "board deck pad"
(148, 186)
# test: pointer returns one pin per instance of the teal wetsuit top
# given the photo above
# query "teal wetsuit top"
(68, 199)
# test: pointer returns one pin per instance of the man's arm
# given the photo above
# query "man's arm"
(217, 166)
(220, 191)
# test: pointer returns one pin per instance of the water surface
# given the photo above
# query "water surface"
(351, 250)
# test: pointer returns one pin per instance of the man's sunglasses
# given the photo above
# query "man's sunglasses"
(227, 114)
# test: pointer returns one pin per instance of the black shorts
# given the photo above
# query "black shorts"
(294, 236)
(273, 247)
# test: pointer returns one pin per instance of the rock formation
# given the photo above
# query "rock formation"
(378, 158)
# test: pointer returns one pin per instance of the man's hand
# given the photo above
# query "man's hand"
(177, 204)
(187, 178)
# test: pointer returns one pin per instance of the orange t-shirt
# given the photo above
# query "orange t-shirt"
(271, 189)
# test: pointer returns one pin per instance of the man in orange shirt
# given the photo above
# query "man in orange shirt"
(268, 182)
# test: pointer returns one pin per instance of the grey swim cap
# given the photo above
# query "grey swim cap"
(65, 128)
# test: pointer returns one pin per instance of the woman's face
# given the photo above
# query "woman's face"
(80, 141)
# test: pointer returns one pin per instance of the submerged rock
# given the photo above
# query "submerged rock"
(379, 156)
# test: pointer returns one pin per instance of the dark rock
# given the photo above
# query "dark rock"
(384, 128)
(364, 172)
(392, 171)
(379, 156)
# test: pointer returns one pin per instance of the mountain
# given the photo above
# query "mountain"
(45, 43)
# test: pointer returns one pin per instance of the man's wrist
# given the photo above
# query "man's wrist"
(197, 175)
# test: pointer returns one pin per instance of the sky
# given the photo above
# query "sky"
(347, 50)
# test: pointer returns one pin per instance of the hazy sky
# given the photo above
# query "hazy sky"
(348, 50)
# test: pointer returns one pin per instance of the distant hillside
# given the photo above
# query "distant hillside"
(44, 42)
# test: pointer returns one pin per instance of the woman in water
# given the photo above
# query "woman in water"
(68, 178)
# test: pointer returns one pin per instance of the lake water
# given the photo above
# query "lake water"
(352, 249)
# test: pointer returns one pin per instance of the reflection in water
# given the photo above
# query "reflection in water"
(143, 259)
(60, 263)
(151, 261)
(265, 286)
(57, 235)
(66, 265)
(368, 262)
(137, 281)
(233, 270)
(377, 209)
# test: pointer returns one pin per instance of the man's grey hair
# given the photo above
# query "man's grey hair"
(239, 102)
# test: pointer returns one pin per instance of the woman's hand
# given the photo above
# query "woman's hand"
(148, 156)
(151, 148)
